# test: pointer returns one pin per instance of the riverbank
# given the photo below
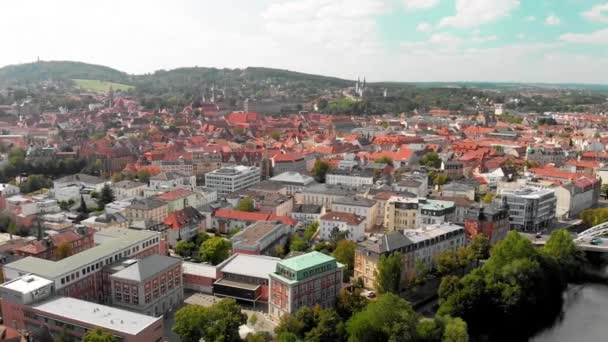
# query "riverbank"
(583, 316)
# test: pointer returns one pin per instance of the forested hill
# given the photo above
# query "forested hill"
(32, 73)
(23, 74)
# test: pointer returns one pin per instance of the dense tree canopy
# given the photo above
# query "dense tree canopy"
(215, 250)
(388, 277)
(519, 285)
(219, 322)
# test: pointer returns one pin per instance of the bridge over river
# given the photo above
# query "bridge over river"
(594, 239)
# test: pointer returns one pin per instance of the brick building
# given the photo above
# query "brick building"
(80, 275)
(30, 302)
(77, 240)
(491, 221)
(305, 280)
(151, 286)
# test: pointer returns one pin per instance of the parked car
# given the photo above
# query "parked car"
(597, 241)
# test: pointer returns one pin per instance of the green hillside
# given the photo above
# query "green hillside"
(101, 86)
(31, 73)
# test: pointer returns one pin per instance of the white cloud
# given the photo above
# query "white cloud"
(521, 36)
(552, 20)
(424, 27)
(325, 24)
(597, 13)
(420, 4)
(473, 13)
(593, 38)
(484, 39)
(531, 18)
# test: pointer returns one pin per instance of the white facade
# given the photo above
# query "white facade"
(353, 224)
(433, 240)
(230, 179)
(352, 180)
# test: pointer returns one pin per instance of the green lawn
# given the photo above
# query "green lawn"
(101, 86)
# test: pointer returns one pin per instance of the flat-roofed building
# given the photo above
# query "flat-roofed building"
(232, 178)
(245, 277)
(530, 208)
(80, 275)
(305, 280)
(261, 237)
(29, 302)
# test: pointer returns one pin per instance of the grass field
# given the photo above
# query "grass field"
(101, 86)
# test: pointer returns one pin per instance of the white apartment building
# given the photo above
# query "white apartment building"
(361, 206)
(432, 240)
(232, 178)
(351, 224)
(355, 178)
(128, 188)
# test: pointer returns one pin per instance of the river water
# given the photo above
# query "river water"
(584, 317)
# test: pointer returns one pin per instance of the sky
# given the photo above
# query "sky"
(552, 41)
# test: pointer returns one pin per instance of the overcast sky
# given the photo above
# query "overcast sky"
(384, 40)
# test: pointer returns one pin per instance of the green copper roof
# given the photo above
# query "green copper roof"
(306, 261)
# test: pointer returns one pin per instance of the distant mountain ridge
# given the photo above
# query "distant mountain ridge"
(29, 73)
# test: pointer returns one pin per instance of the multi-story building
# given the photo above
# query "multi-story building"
(180, 165)
(530, 208)
(324, 194)
(151, 286)
(574, 197)
(80, 275)
(305, 280)
(289, 162)
(183, 224)
(170, 180)
(244, 277)
(308, 213)
(400, 213)
(360, 206)
(415, 245)
(29, 302)
(226, 220)
(204, 162)
(294, 181)
(546, 154)
(415, 183)
(352, 225)
(232, 178)
(147, 209)
(432, 240)
(72, 242)
(261, 238)
(490, 220)
(369, 252)
(128, 189)
(69, 187)
(435, 211)
(178, 199)
(354, 178)
(454, 169)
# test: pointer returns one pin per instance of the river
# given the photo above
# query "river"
(584, 316)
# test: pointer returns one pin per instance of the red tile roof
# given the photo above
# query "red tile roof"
(252, 216)
(173, 195)
(349, 218)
